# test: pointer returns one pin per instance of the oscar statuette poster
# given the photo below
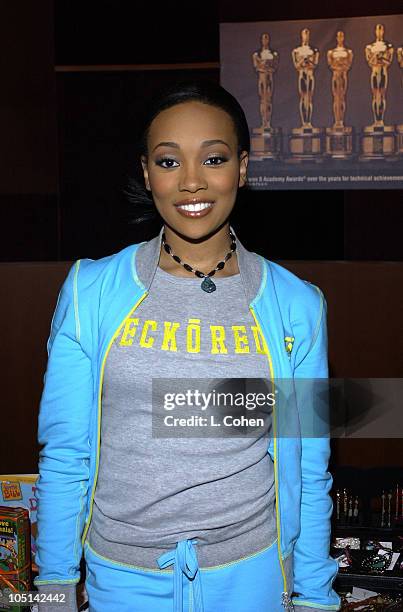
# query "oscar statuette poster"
(323, 98)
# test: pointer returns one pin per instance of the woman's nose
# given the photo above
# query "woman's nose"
(192, 178)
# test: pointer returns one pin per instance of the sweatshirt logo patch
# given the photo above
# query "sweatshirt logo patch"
(289, 343)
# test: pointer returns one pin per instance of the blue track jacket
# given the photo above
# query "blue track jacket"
(93, 304)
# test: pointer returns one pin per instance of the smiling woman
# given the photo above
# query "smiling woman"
(234, 523)
(194, 182)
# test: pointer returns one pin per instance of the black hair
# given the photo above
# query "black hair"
(142, 207)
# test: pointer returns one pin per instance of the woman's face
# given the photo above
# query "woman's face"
(193, 169)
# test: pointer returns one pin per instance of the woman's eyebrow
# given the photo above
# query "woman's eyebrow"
(166, 144)
(205, 143)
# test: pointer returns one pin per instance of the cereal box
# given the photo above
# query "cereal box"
(15, 553)
(18, 490)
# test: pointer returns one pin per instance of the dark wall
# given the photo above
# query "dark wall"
(123, 32)
(28, 144)
(29, 175)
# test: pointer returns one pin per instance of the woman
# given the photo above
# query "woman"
(168, 521)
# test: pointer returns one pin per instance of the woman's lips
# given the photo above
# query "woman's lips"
(196, 209)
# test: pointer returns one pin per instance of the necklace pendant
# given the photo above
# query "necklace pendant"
(208, 285)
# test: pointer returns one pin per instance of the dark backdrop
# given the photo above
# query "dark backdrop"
(75, 77)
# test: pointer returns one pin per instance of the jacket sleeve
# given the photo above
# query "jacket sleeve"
(63, 428)
(314, 568)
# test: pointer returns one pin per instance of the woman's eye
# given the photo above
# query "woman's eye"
(216, 160)
(166, 160)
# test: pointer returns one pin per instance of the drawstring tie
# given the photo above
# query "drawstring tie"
(184, 559)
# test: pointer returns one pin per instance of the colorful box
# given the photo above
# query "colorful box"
(15, 554)
(18, 490)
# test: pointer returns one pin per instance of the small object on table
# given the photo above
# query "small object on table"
(389, 506)
(378, 560)
(350, 508)
(352, 543)
(355, 512)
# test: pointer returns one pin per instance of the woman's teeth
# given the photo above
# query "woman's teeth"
(195, 207)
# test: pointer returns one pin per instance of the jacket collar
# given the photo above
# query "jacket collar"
(250, 265)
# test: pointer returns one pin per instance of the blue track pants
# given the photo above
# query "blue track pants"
(250, 584)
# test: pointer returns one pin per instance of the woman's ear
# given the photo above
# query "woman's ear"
(143, 160)
(243, 165)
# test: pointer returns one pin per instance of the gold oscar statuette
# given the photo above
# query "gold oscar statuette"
(378, 139)
(339, 138)
(266, 140)
(306, 142)
(399, 128)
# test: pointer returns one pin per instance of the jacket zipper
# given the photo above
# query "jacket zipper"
(286, 597)
(101, 380)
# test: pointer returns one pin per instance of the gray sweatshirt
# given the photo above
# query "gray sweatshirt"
(153, 491)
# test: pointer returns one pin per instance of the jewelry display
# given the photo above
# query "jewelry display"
(352, 543)
(383, 510)
(347, 507)
(377, 563)
(374, 558)
(355, 512)
(368, 543)
(386, 507)
(397, 501)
